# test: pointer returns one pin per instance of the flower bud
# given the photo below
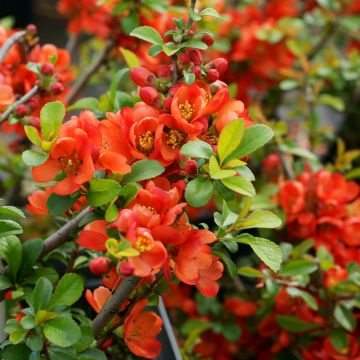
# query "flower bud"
(189, 32)
(207, 39)
(174, 89)
(57, 88)
(164, 72)
(47, 69)
(183, 59)
(195, 56)
(99, 266)
(34, 121)
(126, 269)
(21, 110)
(167, 103)
(217, 86)
(142, 77)
(151, 97)
(33, 103)
(191, 167)
(31, 29)
(220, 64)
(197, 72)
(212, 75)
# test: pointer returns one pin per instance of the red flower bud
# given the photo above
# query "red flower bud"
(164, 72)
(142, 77)
(33, 103)
(31, 29)
(21, 110)
(47, 69)
(184, 59)
(220, 64)
(167, 103)
(151, 97)
(197, 72)
(99, 266)
(207, 39)
(272, 162)
(173, 89)
(57, 88)
(189, 32)
(217, 86)
(212, 75)
(126, 269)
(34, 121)
(195, 56)
(191, 167)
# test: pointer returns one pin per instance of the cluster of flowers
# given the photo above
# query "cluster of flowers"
(26, 65)
(323, 206)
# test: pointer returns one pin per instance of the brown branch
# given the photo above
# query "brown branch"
(112, 306)
(61, 236)
(10, 42)
(32, 92)
(289, 172)
(175, 70)
(89, 71)
(71, 43)
(329, 32)
(192, 6)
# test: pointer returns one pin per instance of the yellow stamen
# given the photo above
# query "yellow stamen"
(143, 244)
(146, 143)
(187, 110)
(175, 138)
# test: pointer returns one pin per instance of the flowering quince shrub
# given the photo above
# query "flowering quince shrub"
(145, 195)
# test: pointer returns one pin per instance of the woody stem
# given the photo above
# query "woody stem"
(12, 40)
(33, 91)
(89, 71)
(192, 6)
(112, 306)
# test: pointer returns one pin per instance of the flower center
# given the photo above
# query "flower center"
(146, 143)
(143, 243)
(187, 110)
(71, 164)
(175, 138)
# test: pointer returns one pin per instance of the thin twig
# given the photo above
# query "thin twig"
(12, 40)
(289, 172)
(330, 30)
(32, 92)
(61, 236)
(89, 71)
(112, 306)
(175, 69)
(192, 6)
(71, 43)
(169, 330)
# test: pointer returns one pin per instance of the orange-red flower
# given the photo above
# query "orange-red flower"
(94, 236)
(141, 328)
(97, 299)
(37, 201)
(71, 156)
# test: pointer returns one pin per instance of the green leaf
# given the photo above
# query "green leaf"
(10, 250)
(68, 291)
(216, 172)
(306, 154)
(210, 12)
(266, 250)
(231, 332)
(298, 267)
(33, 134)
(335, 102)
(11, 211)
(31, 251)
(259, 219)
(42, 294)
(240, 185)
(199, 191)
(189, 77)
(15, 352)
(147, 33)
(293, 324)
(130, 22)
(103, 191)
(339, 339)
(230, 139)
(254, 137)
(115, 83)
(288, 84)
(345, 317)
(229, 264)
(197, 149)
(9, 227)
(92, 354)
(51, 117)
(62, 331)
(302, 248)
(5, 282)
(143, 170)
(248, 271)
(34, 158)
(155, 50)
(89, 103)
(111, 213)
(34, 342)
(127, 194)
(194, 44)
(131, 59)
(58, 204)
(56, 353)
(308, 298)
